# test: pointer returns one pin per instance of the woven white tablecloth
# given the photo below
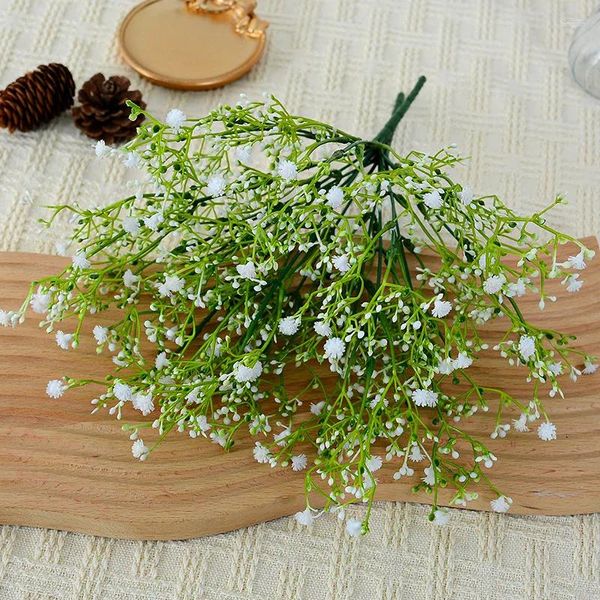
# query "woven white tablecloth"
(499, 86)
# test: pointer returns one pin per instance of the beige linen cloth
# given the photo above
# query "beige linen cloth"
(499, 87)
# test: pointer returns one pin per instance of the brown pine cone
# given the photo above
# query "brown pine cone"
(103, 114)
(36, 97)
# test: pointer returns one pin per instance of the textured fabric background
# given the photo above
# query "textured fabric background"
(498, 86)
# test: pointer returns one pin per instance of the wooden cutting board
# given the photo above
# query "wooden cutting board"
(63, 468)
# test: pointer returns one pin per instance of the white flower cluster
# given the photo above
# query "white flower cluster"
(262, 250)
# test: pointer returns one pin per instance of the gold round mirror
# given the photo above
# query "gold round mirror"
(193, 44)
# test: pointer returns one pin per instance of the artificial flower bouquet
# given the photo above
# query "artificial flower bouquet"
(263, 244)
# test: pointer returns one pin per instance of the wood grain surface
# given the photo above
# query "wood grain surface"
(63, 468)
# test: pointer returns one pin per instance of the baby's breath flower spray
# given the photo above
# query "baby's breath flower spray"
(263, 244)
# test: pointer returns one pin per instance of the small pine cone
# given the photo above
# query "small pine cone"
(103, 114)
(36, 97)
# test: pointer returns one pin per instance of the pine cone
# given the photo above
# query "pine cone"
(36, 97)
(103, 114)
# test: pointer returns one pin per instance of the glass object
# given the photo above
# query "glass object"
(584, 54)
